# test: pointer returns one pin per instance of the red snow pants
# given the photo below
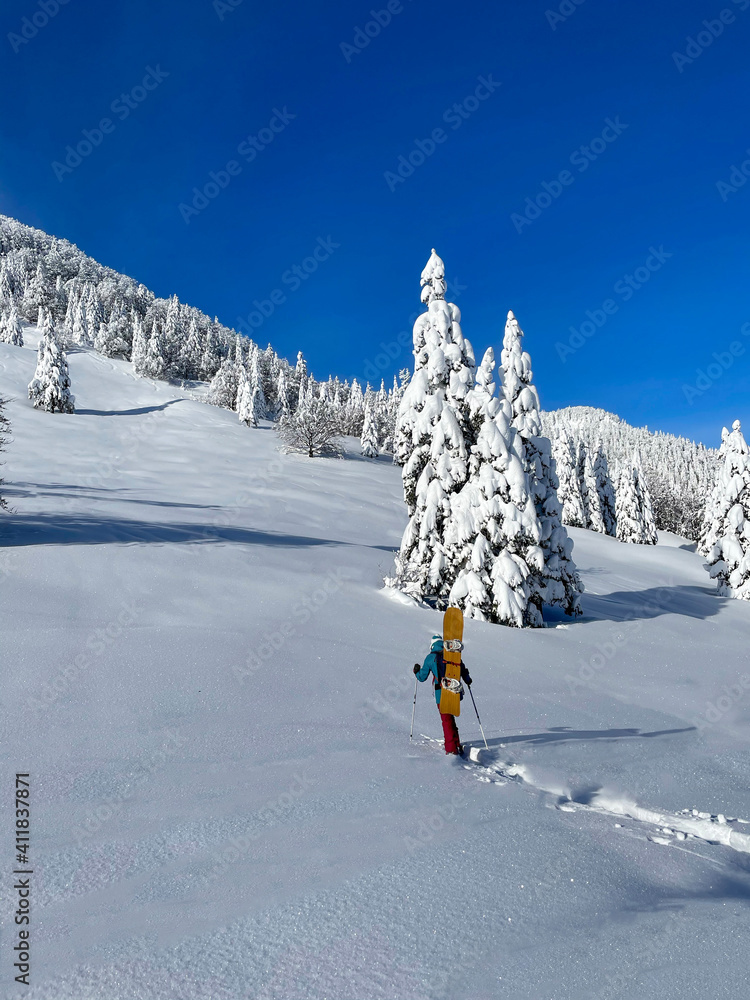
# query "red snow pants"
(450, 731)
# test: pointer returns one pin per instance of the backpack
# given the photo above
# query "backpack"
(441, 681)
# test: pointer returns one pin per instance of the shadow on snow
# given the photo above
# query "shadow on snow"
(129, 413)
(633, 605)
(561, 734)
(61, 529)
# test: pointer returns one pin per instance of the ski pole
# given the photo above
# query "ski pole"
(413, 709)
(477, 714)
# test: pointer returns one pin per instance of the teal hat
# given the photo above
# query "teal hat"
(436, 643)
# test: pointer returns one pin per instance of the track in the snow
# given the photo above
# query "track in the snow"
(669, 827)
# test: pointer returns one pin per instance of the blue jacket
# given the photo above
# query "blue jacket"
(430, 666)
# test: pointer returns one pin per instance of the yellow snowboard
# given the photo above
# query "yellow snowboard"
(453, 628)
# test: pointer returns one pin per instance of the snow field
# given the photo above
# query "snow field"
(224, 800)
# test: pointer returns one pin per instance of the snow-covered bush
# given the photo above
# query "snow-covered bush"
(312, 429)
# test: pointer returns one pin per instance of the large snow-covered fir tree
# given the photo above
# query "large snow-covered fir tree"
(557, 583)
(492, 537)
(726, 533)
(50, 388)
(633, 509)
(431, 441)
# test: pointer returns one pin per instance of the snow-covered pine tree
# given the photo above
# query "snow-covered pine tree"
(605, 490)
(569, 486)
(726, 531)
(95, 312)
(156, 364)
(101, 339)
(354, 411)
(6, 282)
(441, 323)
(244, 402)
(67, 337)
(369, 439)
(432, 441)
(59, 300)
(81, 335)
(282, 394)
(139, 349)
(592, 508)
(174, 333)
(13, 328)
(46, 323)
(50, 388)
(222, 390)
(210, 362)
(558, 582)
(635, 517)
(36, 294)
(492, 536)
(192, 351)
(256, 387)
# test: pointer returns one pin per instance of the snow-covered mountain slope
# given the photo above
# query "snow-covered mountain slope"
(212, 693)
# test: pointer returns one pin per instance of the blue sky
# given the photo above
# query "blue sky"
(643, 188)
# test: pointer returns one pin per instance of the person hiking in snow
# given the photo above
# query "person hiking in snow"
(435, 664)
